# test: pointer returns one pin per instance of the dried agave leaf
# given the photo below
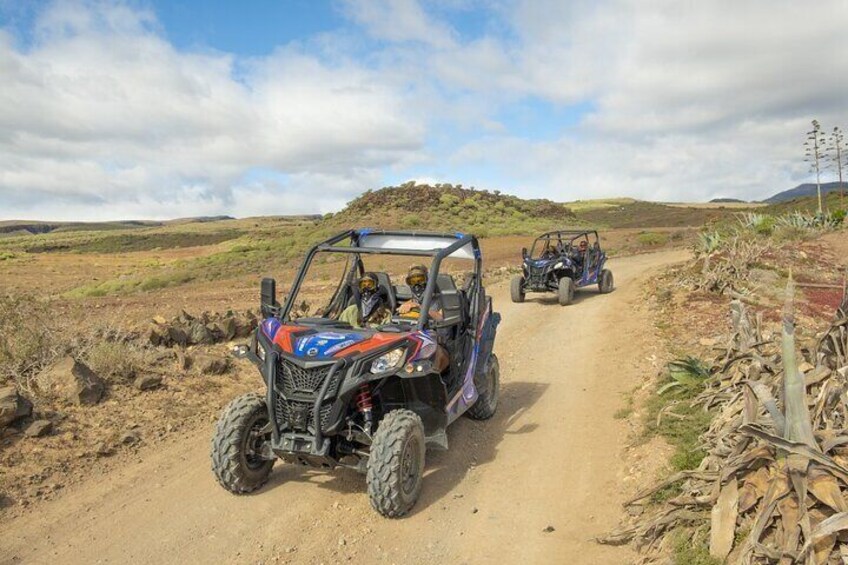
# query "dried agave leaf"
(723, 520)
(753, 489)
(790, 516)
(798, 448)
(825, 488)
(830, 526)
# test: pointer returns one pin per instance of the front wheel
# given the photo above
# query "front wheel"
(236, 445)
(516, 288)
(396, 463)
(566, 291)
(606, 283)
(488, 392)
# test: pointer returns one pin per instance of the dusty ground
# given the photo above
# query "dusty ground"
(552, 456)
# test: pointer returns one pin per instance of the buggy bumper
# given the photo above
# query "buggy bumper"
(302, 449)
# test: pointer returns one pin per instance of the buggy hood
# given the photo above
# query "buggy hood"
(325, 343)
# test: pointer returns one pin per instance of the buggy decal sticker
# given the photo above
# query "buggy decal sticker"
(324, 344)
(270, 327)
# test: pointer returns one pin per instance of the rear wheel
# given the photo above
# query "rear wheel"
(396, 463)
(236, 459)
(566, 291)
(516, 288)
(489, 391)
(606, 283)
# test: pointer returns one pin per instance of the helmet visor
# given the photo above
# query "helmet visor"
(367, 284)
(416, 279)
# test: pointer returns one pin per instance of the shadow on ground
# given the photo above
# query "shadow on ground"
(471, 444)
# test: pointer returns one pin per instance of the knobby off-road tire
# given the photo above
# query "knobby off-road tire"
(396, 463)
(606, 282)
(515, 288)
(566, 291)
(234, 461)
(487, 403)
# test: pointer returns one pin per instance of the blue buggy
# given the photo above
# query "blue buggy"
(561, 262)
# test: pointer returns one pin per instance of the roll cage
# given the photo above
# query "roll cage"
(562, 240)
(438, 246)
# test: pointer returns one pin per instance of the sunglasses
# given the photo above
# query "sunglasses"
(367, 284)
(415, 280)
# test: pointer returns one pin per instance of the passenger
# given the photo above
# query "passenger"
(371, 310)
(580, 253)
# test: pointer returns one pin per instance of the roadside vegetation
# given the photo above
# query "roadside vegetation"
(747, 406)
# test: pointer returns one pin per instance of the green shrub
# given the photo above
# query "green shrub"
(116, 359)
(28, 340)
(652, 239)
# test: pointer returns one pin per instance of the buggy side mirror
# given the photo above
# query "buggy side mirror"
(268, 297)
(524, 252)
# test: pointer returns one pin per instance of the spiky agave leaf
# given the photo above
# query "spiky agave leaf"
(798, 426)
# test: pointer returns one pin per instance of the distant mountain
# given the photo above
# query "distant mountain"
(802, 190)
(727, 201)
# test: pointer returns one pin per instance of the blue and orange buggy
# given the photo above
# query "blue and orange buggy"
(370, 399)
(562, 261)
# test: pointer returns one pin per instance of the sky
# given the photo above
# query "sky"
(155, 109)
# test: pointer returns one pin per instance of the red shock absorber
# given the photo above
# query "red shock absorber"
(364, 403)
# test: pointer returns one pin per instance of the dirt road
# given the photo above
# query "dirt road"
(552, 456)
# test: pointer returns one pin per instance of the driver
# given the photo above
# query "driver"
(548, 252)
(417, 278)
(371, 310)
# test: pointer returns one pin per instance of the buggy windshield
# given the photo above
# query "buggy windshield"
(559, 242)
(328, 282)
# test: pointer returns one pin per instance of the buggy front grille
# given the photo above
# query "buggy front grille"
(297, 390)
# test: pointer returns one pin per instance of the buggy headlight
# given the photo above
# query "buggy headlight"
(558, 265)
(260, 350)
(386, 362)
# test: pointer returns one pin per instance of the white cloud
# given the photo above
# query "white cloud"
(103, 111)
(400, 21)
(102, 116)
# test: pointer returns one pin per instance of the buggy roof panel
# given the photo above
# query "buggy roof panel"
(431, 243)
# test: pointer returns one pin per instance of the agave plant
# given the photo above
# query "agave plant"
(687, 373)
(708, 242)
(759, 223)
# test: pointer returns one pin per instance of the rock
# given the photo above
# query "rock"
(147, 382)
(185, 317)
(211, 364)
(160, 320)
(103, 449)
(549, 529)
(13, 406)
(178, 336)
(228, 327)
(39, 428)
(162, 356)
(156, 337)
(184, 361)
(198, 334)
(75, 381)
(805, 367)
(130, 438)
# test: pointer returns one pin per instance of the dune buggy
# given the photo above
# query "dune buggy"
(561, 262)
(369, 399)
